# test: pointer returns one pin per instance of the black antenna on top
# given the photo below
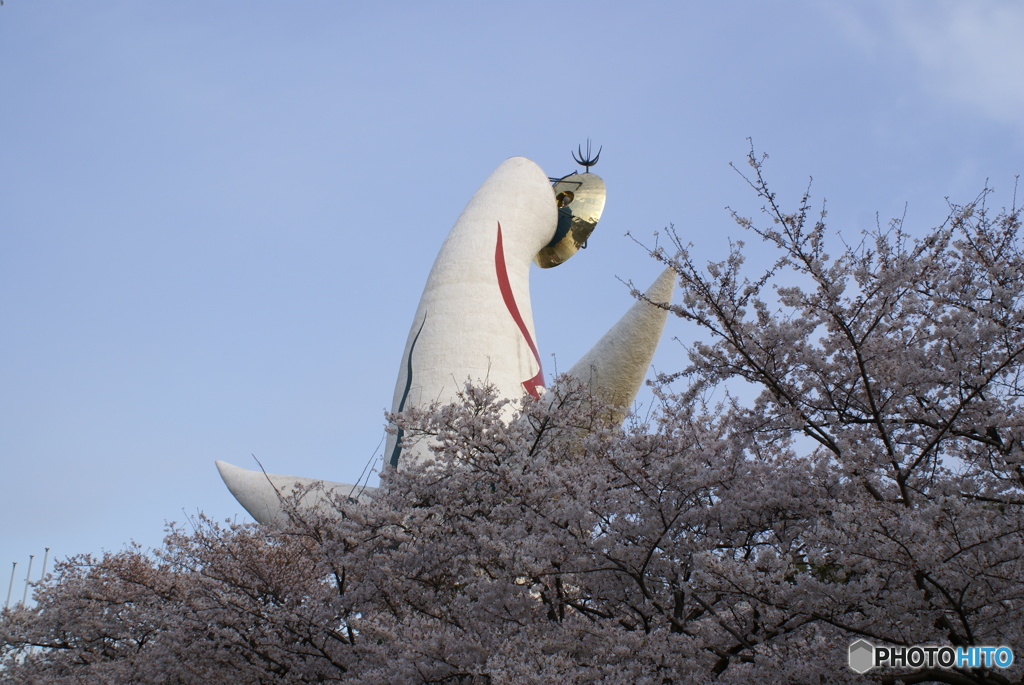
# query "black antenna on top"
(586, 160)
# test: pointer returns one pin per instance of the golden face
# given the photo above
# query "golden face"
(580, 199)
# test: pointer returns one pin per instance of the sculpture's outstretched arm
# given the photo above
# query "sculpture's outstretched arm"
(262, 494)
(615, 367)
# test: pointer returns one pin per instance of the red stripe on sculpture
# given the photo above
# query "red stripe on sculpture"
(531, 384)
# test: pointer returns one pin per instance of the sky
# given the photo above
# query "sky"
(216, 218)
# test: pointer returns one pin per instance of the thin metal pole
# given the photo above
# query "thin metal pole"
(45, 556)
(24, 597)
(10, 587)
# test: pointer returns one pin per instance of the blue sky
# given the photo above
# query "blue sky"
(216, 218)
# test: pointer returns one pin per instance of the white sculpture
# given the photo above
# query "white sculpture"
(474, 321)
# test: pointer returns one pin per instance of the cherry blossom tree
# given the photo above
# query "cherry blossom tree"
(870, 487)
